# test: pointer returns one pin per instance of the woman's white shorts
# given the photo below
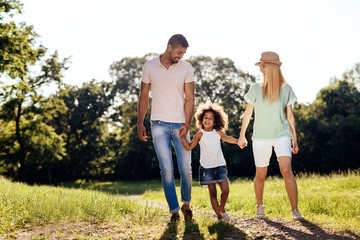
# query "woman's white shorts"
(262, 150)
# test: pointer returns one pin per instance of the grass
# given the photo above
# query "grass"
(331, 201)
(22, 206)
(119, 187)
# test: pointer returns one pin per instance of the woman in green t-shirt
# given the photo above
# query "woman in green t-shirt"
(274, 127)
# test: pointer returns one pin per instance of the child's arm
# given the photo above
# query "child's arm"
(193, 143)
(242, 142)
(226, 138)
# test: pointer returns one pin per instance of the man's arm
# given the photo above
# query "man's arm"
(142, 108)
(189, 89)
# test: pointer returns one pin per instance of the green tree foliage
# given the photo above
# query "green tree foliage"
(352, 75)
(17, 42)
(329, 129)
(217, 80)
(85, 126)
(34, 145)
(29, 146)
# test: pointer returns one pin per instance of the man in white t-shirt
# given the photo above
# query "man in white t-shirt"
(171, 81)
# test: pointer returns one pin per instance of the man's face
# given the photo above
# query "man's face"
(176, 54)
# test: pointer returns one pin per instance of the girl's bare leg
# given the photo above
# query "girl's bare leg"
(224, 186)
(213, 199)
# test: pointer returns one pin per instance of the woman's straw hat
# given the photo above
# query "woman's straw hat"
(269, 57)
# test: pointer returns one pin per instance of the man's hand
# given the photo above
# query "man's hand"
(141, 130)
(183, 130)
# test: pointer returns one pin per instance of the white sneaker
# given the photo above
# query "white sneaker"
(226, 217)
(297, 215)
(260, 211)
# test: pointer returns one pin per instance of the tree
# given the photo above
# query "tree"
(22, 107)
(328, 129)
(216, 80)
(352, 75)
(18, 47)
(85, 125)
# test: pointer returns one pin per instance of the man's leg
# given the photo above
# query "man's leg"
(183, 157)
(184, 162)
(162, 142)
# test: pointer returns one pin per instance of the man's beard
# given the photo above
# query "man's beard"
(173, 61)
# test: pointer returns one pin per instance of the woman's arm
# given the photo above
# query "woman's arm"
(193, 143)
(242, 142)
(291, 120)
(226, 138)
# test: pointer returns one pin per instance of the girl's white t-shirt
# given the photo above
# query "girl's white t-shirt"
(211, 155)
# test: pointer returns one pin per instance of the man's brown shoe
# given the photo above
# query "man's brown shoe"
(187, 213)
(175, 217)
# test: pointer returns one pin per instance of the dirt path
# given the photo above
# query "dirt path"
(250, 228)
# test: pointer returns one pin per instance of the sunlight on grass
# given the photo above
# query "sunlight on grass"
(332, 200)
(22, 206)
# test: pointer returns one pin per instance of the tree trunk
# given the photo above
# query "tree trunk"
(19, 139)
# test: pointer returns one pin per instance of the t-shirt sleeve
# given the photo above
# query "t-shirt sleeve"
(189, 74)
(291, 97)
(145, 77)
(250, 96)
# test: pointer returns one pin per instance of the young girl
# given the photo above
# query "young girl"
(212, 122)
(274, 127)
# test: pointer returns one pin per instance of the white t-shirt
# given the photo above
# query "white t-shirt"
(211, 155)
(167, 89)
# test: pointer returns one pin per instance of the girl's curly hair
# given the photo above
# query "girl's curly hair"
(220, 117)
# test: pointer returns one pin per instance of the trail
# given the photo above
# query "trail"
(239, 228)
(281, 229)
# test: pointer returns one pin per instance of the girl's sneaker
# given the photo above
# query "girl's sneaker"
(297, 215)
(226, 217)
(260, 211)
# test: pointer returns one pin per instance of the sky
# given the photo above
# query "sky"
(315, 39)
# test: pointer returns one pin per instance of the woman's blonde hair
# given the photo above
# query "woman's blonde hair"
(220, 117)
(273, 81)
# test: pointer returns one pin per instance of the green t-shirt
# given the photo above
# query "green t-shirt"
(270, 120)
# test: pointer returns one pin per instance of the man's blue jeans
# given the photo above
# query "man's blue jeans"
(163, 134)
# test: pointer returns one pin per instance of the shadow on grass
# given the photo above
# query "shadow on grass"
(171, 231)
(316, 232)
(192, 231)
(117, 187)
(226, 230)
(121, 187)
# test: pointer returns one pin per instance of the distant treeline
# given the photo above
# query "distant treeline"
(89, 132)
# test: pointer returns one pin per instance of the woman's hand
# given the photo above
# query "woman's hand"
(242, 142)
(294, 148)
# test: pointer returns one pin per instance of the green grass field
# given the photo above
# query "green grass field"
(332, 201)
(24, 206)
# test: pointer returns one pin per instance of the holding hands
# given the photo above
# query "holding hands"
(242, 142)
(183, 130)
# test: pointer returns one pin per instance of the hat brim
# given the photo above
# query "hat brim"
(275, 62)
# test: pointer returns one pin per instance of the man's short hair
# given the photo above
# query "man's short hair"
(178, 40)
